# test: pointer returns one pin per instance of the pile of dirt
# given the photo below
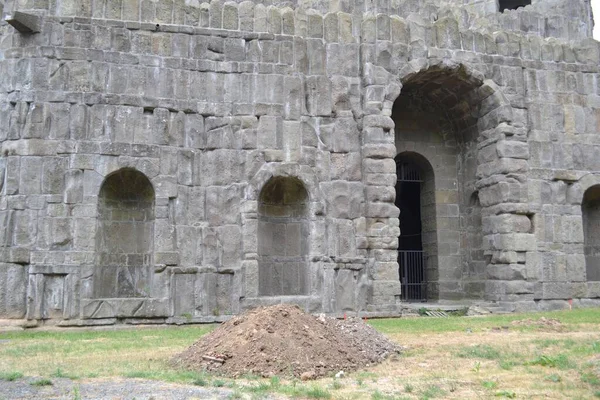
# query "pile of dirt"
(282, 340)
(549, 324)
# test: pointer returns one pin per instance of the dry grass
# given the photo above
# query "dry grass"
(455, 358)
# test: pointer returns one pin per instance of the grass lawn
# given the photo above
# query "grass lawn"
(455, 358)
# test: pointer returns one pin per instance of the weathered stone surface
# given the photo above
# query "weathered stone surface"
(140, 142)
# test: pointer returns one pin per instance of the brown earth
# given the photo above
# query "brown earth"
(548, 324)
(282, 340)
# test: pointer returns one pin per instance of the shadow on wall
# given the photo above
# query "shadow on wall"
(283, 237)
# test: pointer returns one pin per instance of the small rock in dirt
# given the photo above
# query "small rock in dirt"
(339, 375)
(308, 375)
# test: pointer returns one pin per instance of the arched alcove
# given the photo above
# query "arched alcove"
(283, 237)
(590, 209)
(436, 116)
(417, 243)
(125, 235)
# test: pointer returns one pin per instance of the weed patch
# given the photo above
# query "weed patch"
(218, 383)
(483, 351)
(10, 376)
(59, 373)
(489, 384)
(316, 392)
(560, 361)
(42, 382)
(431, 392)
(590, 378)
(506, 394)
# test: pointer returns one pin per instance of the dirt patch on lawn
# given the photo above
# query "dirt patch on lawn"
(282, 340)
(543, 324)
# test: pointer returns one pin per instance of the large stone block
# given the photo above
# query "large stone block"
(344, 199)
(223, 204)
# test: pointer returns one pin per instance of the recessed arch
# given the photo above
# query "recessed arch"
(283, 237)
(124, 235)
(440, 113)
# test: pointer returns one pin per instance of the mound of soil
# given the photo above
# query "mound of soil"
(282, 340)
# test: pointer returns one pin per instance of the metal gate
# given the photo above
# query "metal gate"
(411, 259)
(413, 275)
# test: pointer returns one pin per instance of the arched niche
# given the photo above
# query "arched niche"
(124, 236)
(590, 209)
(283, 237)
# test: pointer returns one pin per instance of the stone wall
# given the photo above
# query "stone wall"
(210, 102)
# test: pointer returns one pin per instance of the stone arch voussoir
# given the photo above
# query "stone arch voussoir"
(268, 171)
(577, 191)
(487, 92)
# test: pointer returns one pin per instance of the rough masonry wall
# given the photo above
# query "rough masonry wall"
(219, 98)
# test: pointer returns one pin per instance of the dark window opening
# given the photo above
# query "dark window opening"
(513, 4)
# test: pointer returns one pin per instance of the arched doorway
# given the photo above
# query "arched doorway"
(124, 236)
(283, 238)
(590, 209)
(417, 243)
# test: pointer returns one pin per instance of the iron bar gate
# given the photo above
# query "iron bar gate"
(413, 275)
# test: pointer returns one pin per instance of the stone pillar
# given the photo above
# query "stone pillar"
(382, 225)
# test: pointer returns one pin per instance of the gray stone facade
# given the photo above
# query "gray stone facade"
(180, 161)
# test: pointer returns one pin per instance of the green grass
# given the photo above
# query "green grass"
(432, 391)
(60, 373)
(10, 376)
(519, 362)
(125, 337)
(316, 392)
(42, 382)
(591, 378)
(489, 384)
(560, 361)
(485, 352)
(506, 394)
(457, 324)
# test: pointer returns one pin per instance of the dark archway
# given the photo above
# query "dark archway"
(437, 116)
(283, 238)
(125, 236)
(417, 243)
(590, 209)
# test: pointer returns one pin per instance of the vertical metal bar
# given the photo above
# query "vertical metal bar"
(405, 273)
